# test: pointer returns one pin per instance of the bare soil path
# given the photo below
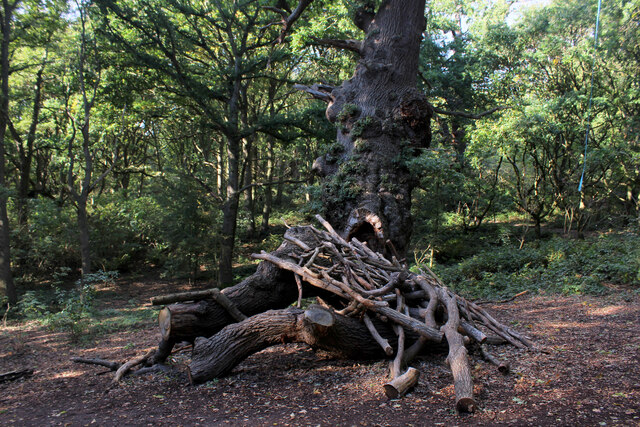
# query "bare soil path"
(590, 376)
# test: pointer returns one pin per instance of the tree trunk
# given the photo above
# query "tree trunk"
(83, 236)
(320, 328)
(7, 286)
(26, 152)
(268, 194)
(248, 180)
(230, 206)
(229, 215)
(382, 120)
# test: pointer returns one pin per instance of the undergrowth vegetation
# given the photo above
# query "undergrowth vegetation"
(494, 262)
(77, 310)
(598, 264)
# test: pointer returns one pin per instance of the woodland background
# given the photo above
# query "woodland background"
(148, 137)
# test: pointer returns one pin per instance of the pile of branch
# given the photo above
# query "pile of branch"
(368, 307)
(370, 285)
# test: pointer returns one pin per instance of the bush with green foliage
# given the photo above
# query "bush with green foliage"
(49, 240)
(595, 265)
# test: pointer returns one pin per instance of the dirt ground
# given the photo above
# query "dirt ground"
(588, 375)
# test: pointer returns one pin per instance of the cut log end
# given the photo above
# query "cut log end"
(400, 385)
(466, 405)
(164, 321)
(319, 316)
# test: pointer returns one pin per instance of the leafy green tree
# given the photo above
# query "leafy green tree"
(210, 57)
(34, 56)
(88, 72)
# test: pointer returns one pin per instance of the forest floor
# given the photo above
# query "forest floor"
(588, 374)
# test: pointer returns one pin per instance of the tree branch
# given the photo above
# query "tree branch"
(268, 184)
(468, 115)
(288, 21)
(349, 44)
(317, 91)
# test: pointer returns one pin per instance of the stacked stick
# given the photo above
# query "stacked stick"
(370, 285)
(363, 292)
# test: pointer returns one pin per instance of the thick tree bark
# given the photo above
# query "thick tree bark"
(320, 328)
(382, 120)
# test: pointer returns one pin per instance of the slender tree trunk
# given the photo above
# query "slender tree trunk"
(234, 150)
(83, 236)
(26, 152)
(7, 286)
(268, 194)
(230, 214)
(280, 188)
(220, 183)
(249, 192)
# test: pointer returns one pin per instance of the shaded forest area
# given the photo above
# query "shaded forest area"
(153, 146)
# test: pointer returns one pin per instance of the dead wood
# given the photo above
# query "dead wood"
(126, 367)
(357, 288)
(504, 301)
(113, 366)
(270, 287)
(376, 336)
(15, 375)
(363, 284)
(214, 294)
(317, 326)
(503, 367)
(457, 358)
(401, 384)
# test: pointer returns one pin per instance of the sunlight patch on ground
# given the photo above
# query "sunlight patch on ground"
(608, 310)
(565, 325)
(25, 326)
(67, 374)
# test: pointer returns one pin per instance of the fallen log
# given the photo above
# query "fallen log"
(502, 366)
(113, 366)
(270, 287)
(214, 294)
(400, 385)
(15, 375)
(457, 358)
(317, 326)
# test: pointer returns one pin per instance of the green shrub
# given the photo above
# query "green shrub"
(31, 306)
(48, 242)
(73, 307)
(556, 265)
